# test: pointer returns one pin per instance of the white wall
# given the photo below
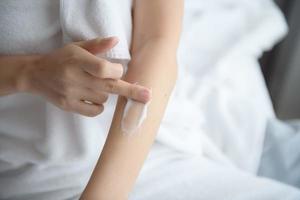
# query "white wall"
(285, 83)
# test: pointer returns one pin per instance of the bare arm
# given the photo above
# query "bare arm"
(157, 25)
(68, 77)
(11, 70)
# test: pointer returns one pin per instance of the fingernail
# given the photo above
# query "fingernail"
(145, 95)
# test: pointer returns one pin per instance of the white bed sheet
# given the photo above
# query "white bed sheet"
(281, 156)
(171, 175)
(221, 106)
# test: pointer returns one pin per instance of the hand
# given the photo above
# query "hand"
(75, 80)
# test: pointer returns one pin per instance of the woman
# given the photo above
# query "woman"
(49, 152)
(38, 148)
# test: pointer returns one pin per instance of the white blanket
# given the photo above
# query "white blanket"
(220, 106)
(171, 175)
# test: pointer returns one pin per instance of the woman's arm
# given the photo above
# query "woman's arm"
(68, 76)
(157, 25)
(11, 72)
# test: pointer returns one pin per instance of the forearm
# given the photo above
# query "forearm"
(11, 73)
(153, 66)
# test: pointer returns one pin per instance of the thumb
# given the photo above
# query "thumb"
(98, 45)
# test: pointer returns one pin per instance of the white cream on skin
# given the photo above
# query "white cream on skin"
(134, 114)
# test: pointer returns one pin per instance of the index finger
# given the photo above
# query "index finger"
(102, 68)
(129, 90)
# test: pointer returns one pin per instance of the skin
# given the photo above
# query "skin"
(69, 76)
(157, 25)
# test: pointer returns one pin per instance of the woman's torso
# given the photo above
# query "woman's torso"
(42, 149)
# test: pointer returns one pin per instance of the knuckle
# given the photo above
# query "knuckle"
(71, 49)
(101, 68)
(102, 98)
(104, 63)
(111, 85)
(131, 92)
(71, 54)
(120, 66)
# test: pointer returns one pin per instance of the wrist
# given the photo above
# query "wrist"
(22, 78)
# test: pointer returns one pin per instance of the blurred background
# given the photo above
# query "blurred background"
(281, 65)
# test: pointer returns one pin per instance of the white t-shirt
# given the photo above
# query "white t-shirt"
(45, 153)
